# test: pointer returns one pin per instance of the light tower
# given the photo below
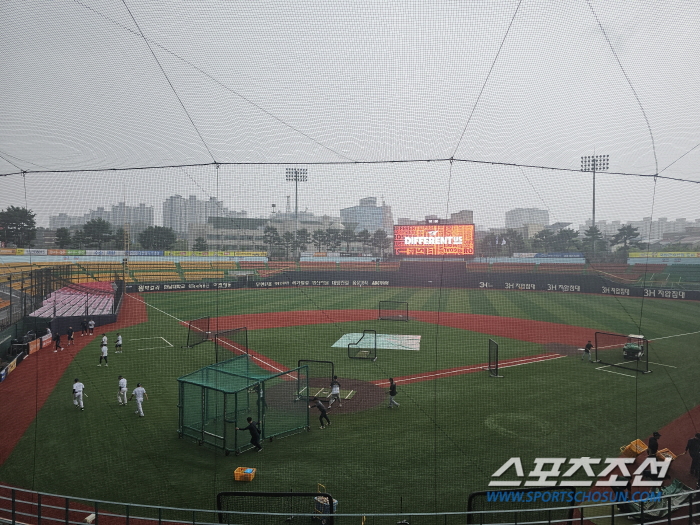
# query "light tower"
(594, 163)
(296, 175)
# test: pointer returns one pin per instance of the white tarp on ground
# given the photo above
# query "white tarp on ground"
(384, 341)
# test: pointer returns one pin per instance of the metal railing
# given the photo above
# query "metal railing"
(20, 506)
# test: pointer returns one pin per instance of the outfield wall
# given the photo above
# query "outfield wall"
(448, 277)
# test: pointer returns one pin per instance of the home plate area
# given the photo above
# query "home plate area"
(384, 341)
(364, 395)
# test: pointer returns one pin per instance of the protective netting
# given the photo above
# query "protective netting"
(154, 144)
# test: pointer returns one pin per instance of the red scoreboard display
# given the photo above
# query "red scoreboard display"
(432, 240)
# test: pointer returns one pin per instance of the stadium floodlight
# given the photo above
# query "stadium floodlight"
(594, 163)
(296, 175)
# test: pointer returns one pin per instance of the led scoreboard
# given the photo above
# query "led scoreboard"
(456, 240)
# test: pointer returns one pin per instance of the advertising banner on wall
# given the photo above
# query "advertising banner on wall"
(663, 255)
(34, 345)
(432, 240)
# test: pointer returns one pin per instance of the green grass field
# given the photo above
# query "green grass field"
(446, 439)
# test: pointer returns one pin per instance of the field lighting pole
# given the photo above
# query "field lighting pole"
(594, 163)
(297, 175)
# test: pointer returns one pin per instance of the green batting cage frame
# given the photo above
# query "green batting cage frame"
(393, 311)
(629, 352)
(366, 349)
(216, 399)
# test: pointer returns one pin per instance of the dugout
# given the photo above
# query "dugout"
(216, 399)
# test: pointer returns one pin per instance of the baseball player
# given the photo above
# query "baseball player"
(91, 326)
(83, 327)
(140, 393)
(254, 433)
(103, 355)
(392, 393)
(57, 340)
(104, 339)
(587, 352)
(335, 393)
(118, 345)
(121, 394)
(69, 333)
(322, 409)
(78, 388)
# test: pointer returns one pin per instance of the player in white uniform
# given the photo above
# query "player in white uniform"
(91, 326)
(118, 345)
(103, 355)
(139, 393)
(335, 392)
(104, 339)
(78, 388)
(121, 396)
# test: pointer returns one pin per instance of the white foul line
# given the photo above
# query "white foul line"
(670, 336)
(524, 361)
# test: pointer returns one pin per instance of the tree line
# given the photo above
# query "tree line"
(593, 245)
(331, 240)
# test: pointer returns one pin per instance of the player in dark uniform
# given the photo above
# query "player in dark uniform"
(392, 393)
(254, 433)
(57, 340)
(83, 327)
(653, 444)
(693, 448)
(587, 352)
(69, 333)
(322, 409)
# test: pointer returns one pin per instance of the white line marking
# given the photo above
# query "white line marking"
(166, 342)
(156, 348)
(661, 364)
(618, 373)
(670, 336)
(349, 394)
(146, 339)
(524, 361)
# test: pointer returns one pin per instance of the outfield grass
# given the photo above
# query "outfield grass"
(446, 439)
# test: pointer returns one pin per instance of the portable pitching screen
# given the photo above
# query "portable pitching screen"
(393, 311)
(630, 352)
(268, 508)
(198, 331)
(216, 399)
(230, 342)
(493, 359)
(365, 347)
(527, 509)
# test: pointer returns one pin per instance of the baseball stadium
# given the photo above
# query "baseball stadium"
(199, 324)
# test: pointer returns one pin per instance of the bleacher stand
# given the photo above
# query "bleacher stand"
(69, 301)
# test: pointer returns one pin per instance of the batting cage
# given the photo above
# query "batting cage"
(629, 352)
(365, 347)
(393, 310)
(198, 331)
(216, 399)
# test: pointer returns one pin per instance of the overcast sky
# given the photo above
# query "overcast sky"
(277, 84)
